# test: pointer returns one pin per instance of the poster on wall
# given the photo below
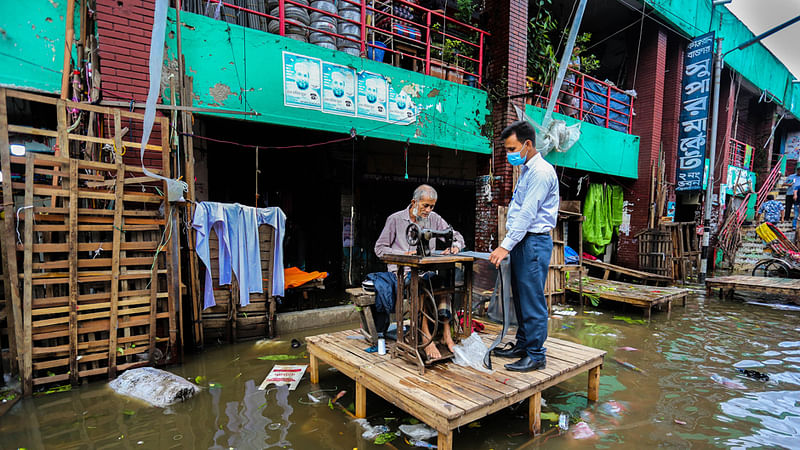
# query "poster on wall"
(792, 147)
(402, 109)
(740, 181)
(695, 92)
(338, 89)
(372, 96)
(302, 81)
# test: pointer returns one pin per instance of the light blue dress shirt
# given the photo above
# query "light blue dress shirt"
(534, 206)
(239, 248)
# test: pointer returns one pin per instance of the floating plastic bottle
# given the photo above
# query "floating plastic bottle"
(563, 421)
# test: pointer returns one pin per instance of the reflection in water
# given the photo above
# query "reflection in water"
(690, 394)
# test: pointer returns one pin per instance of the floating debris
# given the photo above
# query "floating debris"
(754, 374)
(279, 357)
(727, 382)
(628, 365)
(628, 349)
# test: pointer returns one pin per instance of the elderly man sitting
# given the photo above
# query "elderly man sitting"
(393, 240)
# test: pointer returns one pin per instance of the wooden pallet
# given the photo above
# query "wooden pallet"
(778, 286)
(619, 271)
(634, 294)
(228, 321)
(89, 277)
(448, 396)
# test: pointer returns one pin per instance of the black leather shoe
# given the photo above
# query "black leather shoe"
(526, 364)
(513, 352)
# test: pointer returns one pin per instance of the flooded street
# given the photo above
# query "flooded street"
(671, 382)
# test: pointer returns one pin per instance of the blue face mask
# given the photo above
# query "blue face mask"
(515, 158)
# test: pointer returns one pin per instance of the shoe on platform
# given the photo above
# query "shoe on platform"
(509, 351)
(526, 364)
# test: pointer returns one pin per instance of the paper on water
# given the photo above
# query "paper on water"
(283, 374)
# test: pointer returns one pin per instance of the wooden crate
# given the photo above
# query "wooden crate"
(89, 273)
(655, 251)
(228, 321)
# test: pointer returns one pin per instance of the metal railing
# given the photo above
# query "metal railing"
(588, 99)
(769, 183)
(431, 42)
(737, 154)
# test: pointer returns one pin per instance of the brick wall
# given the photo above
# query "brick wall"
(506, 73)
(123, 33)
(649, 84)
(672, 109)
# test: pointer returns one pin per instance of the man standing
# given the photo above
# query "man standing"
(532, 213)
(393, 240)
(790, 184)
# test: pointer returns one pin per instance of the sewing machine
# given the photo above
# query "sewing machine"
(419, 237)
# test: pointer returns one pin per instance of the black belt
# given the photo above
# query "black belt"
(546, 233)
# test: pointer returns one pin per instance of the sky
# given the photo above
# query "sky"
(761, 15)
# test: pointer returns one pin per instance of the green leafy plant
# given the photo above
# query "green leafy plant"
(542, 42)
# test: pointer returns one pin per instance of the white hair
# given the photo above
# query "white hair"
(425, 190)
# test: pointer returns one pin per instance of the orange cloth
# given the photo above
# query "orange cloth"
(294, 277)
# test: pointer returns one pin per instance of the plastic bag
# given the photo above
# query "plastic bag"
(419, 431)
(371, 432)
(470, 353)
(155, 386)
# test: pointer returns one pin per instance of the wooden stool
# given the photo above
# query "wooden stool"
(363, 301)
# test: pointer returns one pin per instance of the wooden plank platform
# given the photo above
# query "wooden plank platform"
(642, 296)
(767, 285)
(644, 277)
(448, 396)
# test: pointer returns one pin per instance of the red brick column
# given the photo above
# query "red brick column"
(506, 74)
(647, 125)
(124, 29)
(123, 34)
(672, 110)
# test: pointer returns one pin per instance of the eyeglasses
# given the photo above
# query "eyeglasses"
(427, 205)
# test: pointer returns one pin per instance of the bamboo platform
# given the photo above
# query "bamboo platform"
(448, 396)
(779, 286)
(642, 296)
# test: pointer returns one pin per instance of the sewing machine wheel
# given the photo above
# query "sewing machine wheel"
(413, 234)
(428, 311)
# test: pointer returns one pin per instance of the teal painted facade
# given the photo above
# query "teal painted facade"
(32, 44)
(598, 150)
(755, 63)
(239, 68)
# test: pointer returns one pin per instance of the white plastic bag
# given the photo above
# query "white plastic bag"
(419, 432)
(470, 353)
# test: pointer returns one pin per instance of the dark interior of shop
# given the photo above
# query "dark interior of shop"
(313, 185)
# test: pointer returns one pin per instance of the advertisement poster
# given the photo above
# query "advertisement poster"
(693, 128)
(302, 81)
(740, 181)
(338, 89)
(792, 149)
(402, 109)
(372, 96)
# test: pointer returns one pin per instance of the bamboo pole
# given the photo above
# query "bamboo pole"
(69, 35)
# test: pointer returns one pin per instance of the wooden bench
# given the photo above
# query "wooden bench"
(363, 300)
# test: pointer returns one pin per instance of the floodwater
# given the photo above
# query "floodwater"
(672, 382)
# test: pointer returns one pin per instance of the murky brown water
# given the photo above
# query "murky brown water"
(685, 391)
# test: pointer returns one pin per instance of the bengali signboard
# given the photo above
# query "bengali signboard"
(694, 113)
